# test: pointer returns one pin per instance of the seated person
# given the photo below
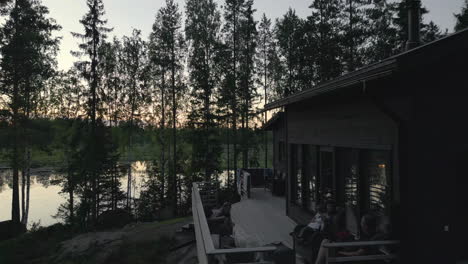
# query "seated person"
(369, 233)
(224, 210)
(316, 224)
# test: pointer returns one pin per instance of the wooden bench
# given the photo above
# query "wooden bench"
(206, 251)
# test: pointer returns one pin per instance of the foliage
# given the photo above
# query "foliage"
(462, 18)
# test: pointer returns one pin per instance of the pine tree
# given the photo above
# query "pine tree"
(28, 52)
(202, 29)
(247, 74)
(97, 153)
(326, 17)
(133, 63)
(159, 57)
(232, 14)
(383, 32)
(266, 59)
(172, 52)
(355, 33)
(291, 39)
(462, 18)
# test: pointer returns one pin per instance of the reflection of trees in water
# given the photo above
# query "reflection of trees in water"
(6, 179)
(45, 178)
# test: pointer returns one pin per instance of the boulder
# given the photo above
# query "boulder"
(9, 229)
(114, 219)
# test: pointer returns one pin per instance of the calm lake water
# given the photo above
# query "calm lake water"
(46, 195)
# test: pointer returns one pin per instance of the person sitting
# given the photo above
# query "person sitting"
(316, 224)
(369, 233)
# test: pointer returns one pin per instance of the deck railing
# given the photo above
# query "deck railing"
(207, 253)
(252, 178)
(244, 183)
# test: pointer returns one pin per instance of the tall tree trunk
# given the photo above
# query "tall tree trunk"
(174, 131)
(162, 138)
(15, 207)
(23, 192)
(228, 152)
(71, 188)
(265, 133)
(234, 112)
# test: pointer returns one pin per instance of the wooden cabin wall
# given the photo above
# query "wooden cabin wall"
(353, 122)
(434, 185)
(436, 141)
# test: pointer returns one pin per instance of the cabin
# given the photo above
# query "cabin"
(392, 138)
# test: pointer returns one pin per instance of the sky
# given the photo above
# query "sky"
(125, 15)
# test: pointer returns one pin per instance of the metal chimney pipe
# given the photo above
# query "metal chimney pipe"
(414, 24)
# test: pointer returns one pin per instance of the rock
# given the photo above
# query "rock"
(8, 230)
(113, 219)
(98, 245)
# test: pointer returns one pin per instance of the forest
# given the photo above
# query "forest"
(187, 98)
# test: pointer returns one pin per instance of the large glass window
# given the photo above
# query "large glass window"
(310, 174)
(347, 165)
(304, 175)
(327, 177)
(357, 177)
(376, 171)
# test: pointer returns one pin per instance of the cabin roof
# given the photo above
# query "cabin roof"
(270, 124)
(377, 70)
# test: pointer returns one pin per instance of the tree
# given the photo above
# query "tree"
(355, 33)
(159, 63)
(232, 14)
(247, 74)
(202, 29)
(290, 36)
(266, 59)
(172, 52)
(28, 52)
(462, 18)
(96, 155)
(326, 17)
(133, 63)
(383, 32)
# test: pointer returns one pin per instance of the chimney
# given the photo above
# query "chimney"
(414, 26)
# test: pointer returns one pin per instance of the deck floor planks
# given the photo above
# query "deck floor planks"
(262, 219)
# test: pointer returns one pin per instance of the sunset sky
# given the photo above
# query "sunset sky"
(125, 15)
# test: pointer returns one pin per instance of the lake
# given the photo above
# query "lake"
(46, 196)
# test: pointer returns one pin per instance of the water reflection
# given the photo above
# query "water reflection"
(46, 196)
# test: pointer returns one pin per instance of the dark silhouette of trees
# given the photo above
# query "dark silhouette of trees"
(173, 51)
(202, 30)
(462, 18)
(98, 155)
(28, 52)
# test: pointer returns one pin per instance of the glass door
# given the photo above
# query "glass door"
(327, 174)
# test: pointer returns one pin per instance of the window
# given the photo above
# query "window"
(327, 177)
(310, 174)
(281, 151)
(376, 172)
(347, 166)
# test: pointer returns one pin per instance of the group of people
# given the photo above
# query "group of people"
(329, 225)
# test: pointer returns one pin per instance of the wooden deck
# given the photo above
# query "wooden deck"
(261, 220)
